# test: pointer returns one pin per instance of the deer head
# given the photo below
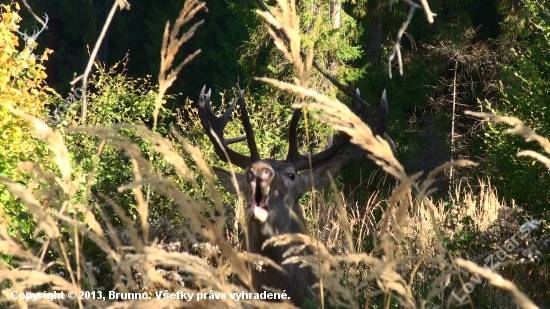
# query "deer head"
(29, 40)
(272, 188)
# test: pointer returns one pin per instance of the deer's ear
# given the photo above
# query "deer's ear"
(226, 179)
(321, 173)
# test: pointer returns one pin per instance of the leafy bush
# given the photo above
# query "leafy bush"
(524, 93)
(23, 87)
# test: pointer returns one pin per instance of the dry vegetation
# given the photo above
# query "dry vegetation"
(410, 264)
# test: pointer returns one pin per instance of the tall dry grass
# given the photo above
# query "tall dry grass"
(410, 264)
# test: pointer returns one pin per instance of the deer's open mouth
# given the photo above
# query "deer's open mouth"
(258, 204)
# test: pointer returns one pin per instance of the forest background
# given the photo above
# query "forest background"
(483, 55)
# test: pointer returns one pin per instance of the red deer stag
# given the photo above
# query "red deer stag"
(272, 190)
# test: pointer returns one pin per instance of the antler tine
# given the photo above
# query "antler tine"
(293, 154)
(235, 140)
(225, 119)
(23, 34)
(382, 116)
(227, 114)
(44, 25)
(301, 162)
(214, 126)
(380, 130)
(254, 154)
(383, 123)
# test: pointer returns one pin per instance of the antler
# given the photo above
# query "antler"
(23, 34)
(301, 162)
(36, 33)
(381, 120)
(214, 126)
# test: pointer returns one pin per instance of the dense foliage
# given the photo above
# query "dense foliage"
(524, 93)
(22, 86)
(483, 55)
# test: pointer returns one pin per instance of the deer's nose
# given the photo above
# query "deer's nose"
(260, 175)
(264, 174)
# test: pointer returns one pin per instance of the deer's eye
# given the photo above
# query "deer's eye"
(291, 176)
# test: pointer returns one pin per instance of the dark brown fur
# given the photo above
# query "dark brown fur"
(284, 196)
